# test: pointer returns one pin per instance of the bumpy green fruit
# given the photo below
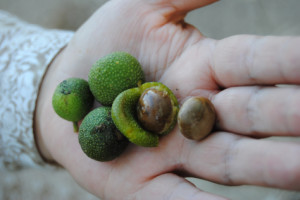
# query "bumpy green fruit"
(72, 100)
(113, 74)
(98, 136)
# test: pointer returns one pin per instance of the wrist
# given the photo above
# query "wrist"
(50, 130)
(43, 112)
(74, 60)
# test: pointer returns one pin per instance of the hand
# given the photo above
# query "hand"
(239, 74)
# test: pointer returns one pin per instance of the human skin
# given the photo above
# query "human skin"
(238, 74)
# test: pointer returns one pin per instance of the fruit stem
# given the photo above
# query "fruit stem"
(75, 127)
(140, 83)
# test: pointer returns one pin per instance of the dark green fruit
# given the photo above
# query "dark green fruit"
(113, 74)
(196, 118)
(72, 100)
(98, 136)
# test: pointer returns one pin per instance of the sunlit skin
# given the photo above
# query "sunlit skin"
(237, 74)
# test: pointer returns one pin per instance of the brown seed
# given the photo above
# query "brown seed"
(154, 110)
(196, 118)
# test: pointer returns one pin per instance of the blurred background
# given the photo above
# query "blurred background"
(219, 20)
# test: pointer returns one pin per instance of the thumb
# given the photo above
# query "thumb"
(184, 6)
(170, 186)
(176, 10)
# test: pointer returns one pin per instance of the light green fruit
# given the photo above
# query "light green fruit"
(112, 74)
(157, 108)
(98, 136)
(72, 100)
(124, 115)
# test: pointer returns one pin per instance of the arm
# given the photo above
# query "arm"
(174, 52)
(26, 50)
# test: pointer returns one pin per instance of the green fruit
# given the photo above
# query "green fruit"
(113, 74)
(98, 136)
(124, 117)
(72, 100)
(133, 119)
(157, 108)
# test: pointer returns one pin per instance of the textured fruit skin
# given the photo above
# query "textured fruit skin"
(113, 74)
(72, 99)
(98, 136)
(124, 116)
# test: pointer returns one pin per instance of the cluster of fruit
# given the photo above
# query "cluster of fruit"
(131, 111)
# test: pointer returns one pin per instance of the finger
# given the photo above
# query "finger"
(247, 60)
(177, 9)
(171, 186)
(188, 5)
(234, 160)
(259, 111)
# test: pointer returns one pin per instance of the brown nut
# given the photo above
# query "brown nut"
(154, 110)
(196, 118)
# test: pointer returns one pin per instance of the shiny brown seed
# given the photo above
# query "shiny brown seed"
(196, 118)
(155, 110)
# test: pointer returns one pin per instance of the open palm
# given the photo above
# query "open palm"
(238, 74)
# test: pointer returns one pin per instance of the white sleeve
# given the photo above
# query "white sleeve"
(25, 52)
